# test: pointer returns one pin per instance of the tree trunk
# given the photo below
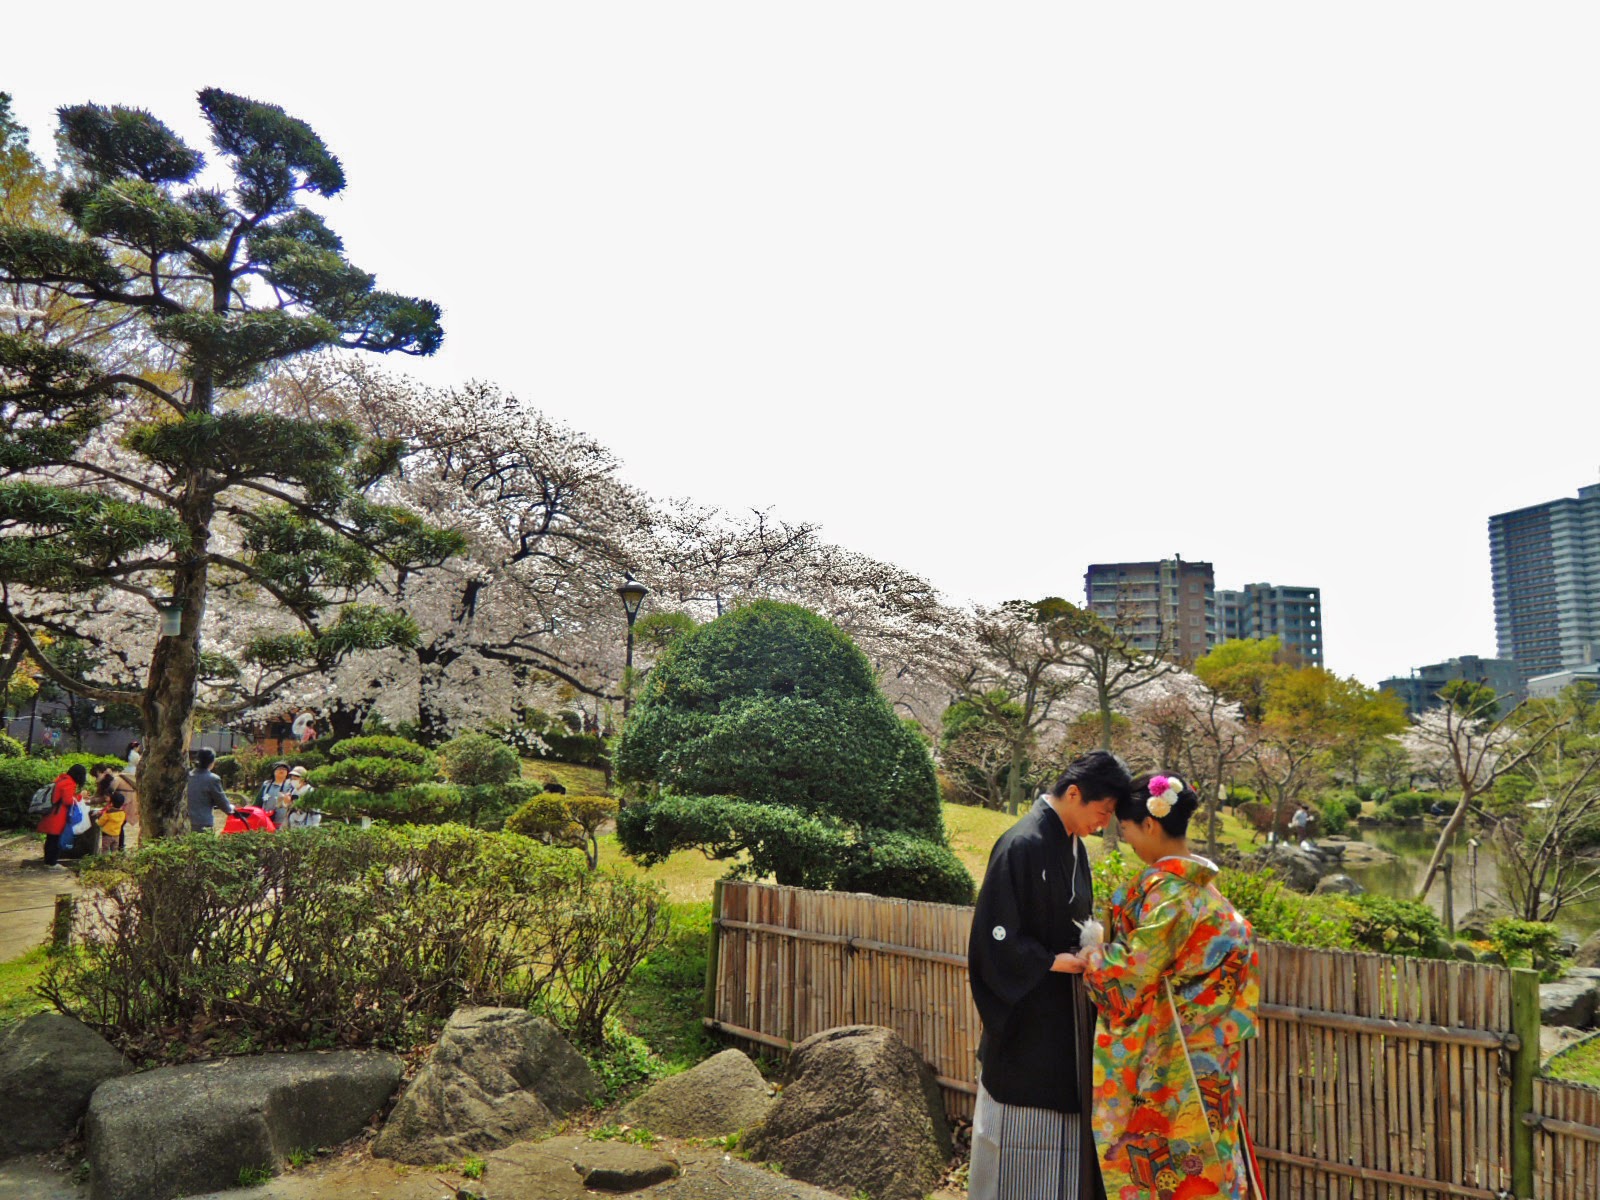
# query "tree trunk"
(1447, 835)
(433, 719)
(170, 694)
(1014, 781)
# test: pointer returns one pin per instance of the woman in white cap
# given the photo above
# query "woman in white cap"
(301, 814)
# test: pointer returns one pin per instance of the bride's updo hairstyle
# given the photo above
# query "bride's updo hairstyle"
(1165, 797)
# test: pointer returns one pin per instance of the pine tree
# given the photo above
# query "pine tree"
(160, 480)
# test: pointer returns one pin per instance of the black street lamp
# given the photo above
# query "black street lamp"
(632, 593)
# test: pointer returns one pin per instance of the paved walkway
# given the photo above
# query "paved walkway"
(27, 895)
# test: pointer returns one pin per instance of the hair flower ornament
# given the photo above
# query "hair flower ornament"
(1164, 791)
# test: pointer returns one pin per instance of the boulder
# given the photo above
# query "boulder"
(620, 1167)
(1355, 853)
(1588, 952)
(1475, 924)
(1462, 952)
(1569, 1002)
(859, 1112)
(722, 1095)
(49, 1067)
(497, 1074)
(176, 1131)
(1298, 869)
(1338, 885)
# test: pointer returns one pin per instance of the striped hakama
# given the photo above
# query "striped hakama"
(1023, 1153)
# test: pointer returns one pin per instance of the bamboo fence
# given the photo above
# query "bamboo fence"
(1566, 1125)
(1373, 1078)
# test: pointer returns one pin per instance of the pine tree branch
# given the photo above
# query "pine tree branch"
(144, 384)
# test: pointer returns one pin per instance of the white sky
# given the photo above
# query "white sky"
(990, 291)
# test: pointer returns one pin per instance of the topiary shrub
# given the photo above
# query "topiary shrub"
(562, 820)
(381, 746)
(772, 708)
(910, 868)
(476, 760)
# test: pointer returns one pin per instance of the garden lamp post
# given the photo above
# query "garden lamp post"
(632, 593)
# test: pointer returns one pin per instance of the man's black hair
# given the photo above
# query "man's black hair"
(205, 756)
(1099, 774)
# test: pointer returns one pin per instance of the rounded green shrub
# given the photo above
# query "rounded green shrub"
(10, 747)
(775, 705)
(371, 774)
(381, 746)
(910, 868)
(476, 759)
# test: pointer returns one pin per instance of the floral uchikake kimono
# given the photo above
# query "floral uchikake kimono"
(1167, 1117)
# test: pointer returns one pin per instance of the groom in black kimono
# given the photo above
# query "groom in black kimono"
(1031, 1139)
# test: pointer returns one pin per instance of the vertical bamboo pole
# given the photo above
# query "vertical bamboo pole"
(708, 1007)
(1524, 1066)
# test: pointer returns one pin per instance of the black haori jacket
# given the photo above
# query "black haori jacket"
(1038, 886)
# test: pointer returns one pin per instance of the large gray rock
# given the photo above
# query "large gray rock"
(1298, 869)
(1569, 1002)
(1588, 953)
(1476, 923)
(1354, 853)
(49, 1067)
(497, 1074)
(1338, 885)
(859, 1112)
(176, 1131)
(722, 1095)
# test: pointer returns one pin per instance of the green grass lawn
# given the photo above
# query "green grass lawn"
(688, 875)
(579, 781)
(1577, 1064)
(17, 981)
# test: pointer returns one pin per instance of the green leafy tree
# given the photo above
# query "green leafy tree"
(220, 283)
(1241, 670)
(1023, 670)
(763, 733)
(975, 746)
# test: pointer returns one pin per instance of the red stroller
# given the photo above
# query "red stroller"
(246, 817)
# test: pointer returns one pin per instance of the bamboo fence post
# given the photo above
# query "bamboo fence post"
(708, 1007)
(1524, 1066)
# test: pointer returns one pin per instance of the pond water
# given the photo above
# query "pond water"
(1473, 886)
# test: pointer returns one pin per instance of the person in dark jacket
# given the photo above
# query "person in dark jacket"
(205, 792)
(66, 791)
(1030, 1136)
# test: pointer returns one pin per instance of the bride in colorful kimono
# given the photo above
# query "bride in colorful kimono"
(1175, 982)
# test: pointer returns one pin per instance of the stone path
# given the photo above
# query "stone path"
(525, 1171)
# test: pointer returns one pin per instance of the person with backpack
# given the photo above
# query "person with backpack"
(64, 793)
(275, 795)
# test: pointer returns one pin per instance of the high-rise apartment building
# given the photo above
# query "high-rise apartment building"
(1166, 607)
(1263, 610)
(1420, 690)
(1546, 566)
